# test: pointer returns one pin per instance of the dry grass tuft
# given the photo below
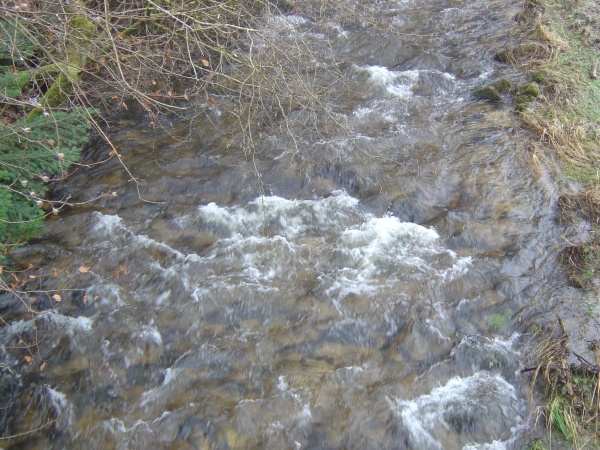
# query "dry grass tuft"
(563, 136)
(573, 406)
(582, 260)
(526, 55)
(585, 205)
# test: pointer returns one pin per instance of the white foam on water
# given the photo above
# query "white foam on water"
(387, 247)
(71, 325)
(335, 29)
(347, 251)
(288, 21)
(170, 375)
(109, 294)
(150, 336)
(289, 218)
(494, 445)
(78, 329)
(282, 384)
(61, 406)
(378, 111)
(107, 224)
(398, 84)
(157, 393)
(112, 227)
(459, 409)
(149, 242)
(408, 83)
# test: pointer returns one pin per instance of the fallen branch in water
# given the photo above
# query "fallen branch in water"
(4, 438)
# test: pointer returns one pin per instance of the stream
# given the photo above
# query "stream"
(361, 278)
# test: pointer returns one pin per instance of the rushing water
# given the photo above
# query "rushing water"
(367, 290)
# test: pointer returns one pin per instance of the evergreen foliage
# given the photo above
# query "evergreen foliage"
(16, 43)
(33, 150)
(31, 153)
(11, 83)
(17, 46)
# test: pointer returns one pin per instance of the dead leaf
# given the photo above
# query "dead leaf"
(212, 101)
(1, 269)
(85, 299)
(55, 272)
(42, 366)
(29, 359)
(32, 277)
(11, 69)
(170, 93)
(57, 297)
(123, 269)
(84, 269)
(120, 35)
(20, 342)
(204, 62)
(185, 96)
(96, 298)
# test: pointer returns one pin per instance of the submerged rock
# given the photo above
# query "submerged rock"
(487, 93)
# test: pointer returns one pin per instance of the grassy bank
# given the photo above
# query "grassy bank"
(556, 42)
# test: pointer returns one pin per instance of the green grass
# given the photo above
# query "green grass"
(567, 119)
(580, 99)
(537, 444)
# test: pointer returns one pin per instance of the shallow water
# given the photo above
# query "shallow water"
(359, 280)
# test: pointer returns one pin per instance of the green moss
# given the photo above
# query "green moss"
(499, 321)
(522, 102)
(529, 89)
(503, 85)
(83, 26)
(540, 77)
(487, 93)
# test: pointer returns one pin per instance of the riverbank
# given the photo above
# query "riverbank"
(556, 43)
